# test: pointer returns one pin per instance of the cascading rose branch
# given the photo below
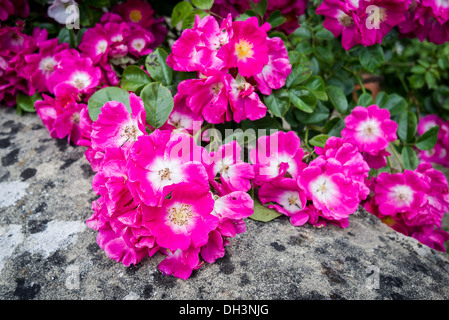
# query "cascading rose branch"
(413, 203)
(328, 189)
(362, 22)
(371, 130)
(367, 22)
(439, 154)
(155, 194)
(214, 50)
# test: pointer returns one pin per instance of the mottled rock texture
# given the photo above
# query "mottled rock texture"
(47, 252)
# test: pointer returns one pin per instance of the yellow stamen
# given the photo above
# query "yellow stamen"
(244, 49)
(135, 15)
(180, 215)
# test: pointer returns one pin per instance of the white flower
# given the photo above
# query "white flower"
(64, 11)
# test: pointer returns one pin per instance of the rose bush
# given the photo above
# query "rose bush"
(196, 115)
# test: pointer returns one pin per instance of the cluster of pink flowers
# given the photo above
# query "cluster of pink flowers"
(290, 10)
(371, 130)
(66, 80)
(327, 190)
(14, 47)
(440, 153)
(229, 58)
(18, 8)
(362, 22)
(123, 35)
(156, 196)
(67, 77)
(427, 19)
(412, 203)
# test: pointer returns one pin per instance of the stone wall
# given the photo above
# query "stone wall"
(47, 252)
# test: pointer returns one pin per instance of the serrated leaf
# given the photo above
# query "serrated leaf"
(133, 78)
(428, 139)
(157, 67)
(158, 103)
(316, 85)
(263, 214)
(395, 104)
(189, 20)
(278, 102)
(303, 99)
(319, 140)
(409, 158)
(338, 99)
(371, 57)
(276, 19)
(298, 75)
(417, 81)
(407, 125)
(26, 103)
(259, 7)
(99, 98)
(324, 34)
(203, 4)
(381, 99)
(334, 127)
(320, 114)
(180, 11)
(365, 100)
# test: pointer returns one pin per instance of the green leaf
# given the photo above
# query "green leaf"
(431, 80)
(324, 34)
(371, 57)
(418, 70)
(67, 36)
(365, 100)
(319, 140)
(180, 11)
(133, 78)
(157, 67)
(303, 99)
(407, 125)
(276, 19)
(203, 4)
(158, 102)
(395, 104)
(278, 102)
(26, 103)
(320, 114)
(338, 99)
(246, 15)
(302, 33)
(299, 74)
(260, 7)
(189, 20)
(324, 54)
(428, 139)
(304, 47)
(381, 99)
(409, 158)
(99, 98)
(316, 85)
(417, 81)
(263, 214)
(334, 126)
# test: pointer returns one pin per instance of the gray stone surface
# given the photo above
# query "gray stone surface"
(47, 252)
